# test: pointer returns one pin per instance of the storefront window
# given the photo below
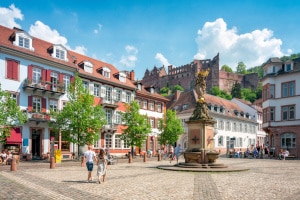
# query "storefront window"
(288, 140)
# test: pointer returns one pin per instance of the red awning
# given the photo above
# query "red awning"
(15, 136)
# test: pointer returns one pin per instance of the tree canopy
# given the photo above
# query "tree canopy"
(171, 128)
(220, 93)
(226, 68)
(80, 121)
(236, 91)
(136, 126)
(10, 116)
(241, 68)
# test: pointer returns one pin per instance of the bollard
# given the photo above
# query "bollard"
(82, 161)
(159, 157)
(13, 164)
(130, 158)
(52, 163)
(145, 157)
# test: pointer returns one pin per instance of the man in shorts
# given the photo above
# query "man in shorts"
(90, 158)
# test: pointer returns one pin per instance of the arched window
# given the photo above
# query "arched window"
(288, 140)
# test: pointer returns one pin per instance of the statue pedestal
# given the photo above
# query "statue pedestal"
(201, 147)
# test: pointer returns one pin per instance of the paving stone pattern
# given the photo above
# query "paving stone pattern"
(266, 179)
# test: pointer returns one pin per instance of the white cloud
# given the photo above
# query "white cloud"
(44, 32)
(81, 49)
(161, 58)
(96, 31)
(252, 48)
(9, 15)
(130, 59)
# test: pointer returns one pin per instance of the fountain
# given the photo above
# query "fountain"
(201, 150)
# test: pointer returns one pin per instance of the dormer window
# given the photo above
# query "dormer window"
(22, 39)
(87, 66)
(152, 90)
(106, 72)
(215, 108)
(59, 52)
(288, 67)
(221, 109)
(139, 86)
(122, 77)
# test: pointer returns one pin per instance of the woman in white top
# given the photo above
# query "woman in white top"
(102, 166)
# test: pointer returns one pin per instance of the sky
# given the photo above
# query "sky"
(140, 34)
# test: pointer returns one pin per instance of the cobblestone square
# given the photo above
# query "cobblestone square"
(265, 179)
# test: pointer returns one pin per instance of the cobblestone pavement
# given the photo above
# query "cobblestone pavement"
(266, 179)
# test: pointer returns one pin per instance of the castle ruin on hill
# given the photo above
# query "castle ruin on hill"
(186, 76)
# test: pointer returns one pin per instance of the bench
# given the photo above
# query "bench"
(290, 157)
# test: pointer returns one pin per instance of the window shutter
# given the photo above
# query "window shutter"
(9, 69)
(43, 105)
(61, 78)
(29, 103)
(48, 75)
(29, 75)
(72, 79)
(44, 74)
(103, 91)
(123, 96)
(92, 89)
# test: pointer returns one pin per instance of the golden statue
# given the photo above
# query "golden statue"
(201, 110)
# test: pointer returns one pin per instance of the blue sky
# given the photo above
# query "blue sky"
(140, 34)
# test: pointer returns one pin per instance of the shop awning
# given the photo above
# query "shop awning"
(15, 136)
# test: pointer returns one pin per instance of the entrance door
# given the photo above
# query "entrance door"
(36, 143)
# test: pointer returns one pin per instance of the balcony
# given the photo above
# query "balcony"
(110, 128)
(109, 103)
(43, 87)
(38, 117)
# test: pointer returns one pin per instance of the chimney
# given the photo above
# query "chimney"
(177, 95)
(131, 75)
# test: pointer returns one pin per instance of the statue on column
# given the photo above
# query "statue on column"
(201, 110)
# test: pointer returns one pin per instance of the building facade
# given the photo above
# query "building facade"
(37, 73)
(281, 103)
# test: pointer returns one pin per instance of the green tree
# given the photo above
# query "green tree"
(241, 68)
(10, 116)
(248, 94)
(258, 91)
(236, 90)
(177, 87)
(216, 91)
(226, 68)
(170, 127)
(258, 69)
(136, 126)
(80, 121)
(164, 91)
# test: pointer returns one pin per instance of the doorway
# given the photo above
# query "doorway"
(36, 143)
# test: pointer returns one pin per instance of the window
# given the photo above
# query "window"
(128, 97)
(118, 95)
(152, 123)
(118, 141)
(159, 107)
(12, 70)
(241, 128)
(36, 75)
(60, 54)
(126, 144)
(288, 89)
(234, 127)
(85, 85)
(108, 114)
(272, 114)
(122, 77)
(54, 81)
(24, 42)
(288, 112)
(67, 81)
(220, 140)
(37, 104)
(96, 90)
(221, 125)
(288, 67)
(145, 104)
(106, 72)
(228, 126)
(151, 105)
(288, 140)
(118, 117)
(246, 128)
(96, 144)
(53, 105)
(108, 140)
(272, 91)
(108, 93)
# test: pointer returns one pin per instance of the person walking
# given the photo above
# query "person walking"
(90, 157)
(171, 152)
(102, 166)
(177, 152)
